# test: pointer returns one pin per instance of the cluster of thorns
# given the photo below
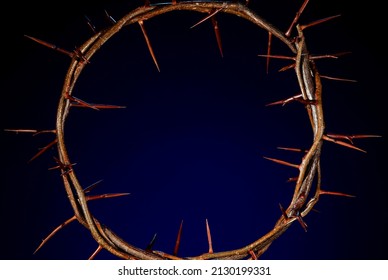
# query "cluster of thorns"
(310, 96)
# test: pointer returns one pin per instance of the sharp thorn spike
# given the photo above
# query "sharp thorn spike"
(111, 19)
(152, 243)
(268, 51)
(335, 193)
(148, 42)
(92, 186)
(212, 14)
(106, 195)
(209, 237)
(43, 150)
(337, 79)
(54, 232)
(95, 253)
(282, 162)
(319, 21)
(90, 24)
(218, 35)
(178, 239)
(296, 18)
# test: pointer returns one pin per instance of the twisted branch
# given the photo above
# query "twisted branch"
(308, 183)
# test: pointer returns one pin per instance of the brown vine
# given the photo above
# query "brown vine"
(307, 189)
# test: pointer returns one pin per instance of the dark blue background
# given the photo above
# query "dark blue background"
(190, 144)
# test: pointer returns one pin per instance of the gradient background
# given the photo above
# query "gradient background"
(191, 141)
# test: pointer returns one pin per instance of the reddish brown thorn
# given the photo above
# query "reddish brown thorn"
(282, 162)
(335, 193)
(147, 3)
(285, 101)
(111, 19)
(51, 46)
(342, 143)
(79, 102)
(277, 56)
(98, 106)
(218, 35)
(268, 50)
(351, 137)
(285, 216)
(253, 255)
(75, 54)
(174, 2)
(92, 186)
(301, 222)
(65, 168)
(337, 55)
(319, 21)
(34, 131)
(141, 23)
(287, 67)
(106, 195)
(178, 239)
(44, 149)
(152, 243)
(55, 231)
(293, 149)
(292, 179)
(296, 18)
(338, 79)
(207, 17)
(95, 253)
(90, 24)
(209, 237)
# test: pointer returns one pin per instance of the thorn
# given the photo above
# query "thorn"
(178, 239)
(282, 162)
(55, 231)
(152, 243)
(335, 193)
(296, 18)
(342, 143)
(80, 102)
(284, 213)
(90, 24)
(75, 54)
(301, 222)
(92, 186)
(292, 179)
(147, 3)
(141, 23)
(209, 237)
(277, 56)
(287, 67)
(34, 131)
(212, 14)
(351, 137)
(106, 195)
(253, 255)
(97, 106)
(338, 79)
(65, 168)
(98, 250)
(298, 98)
(218, 35)
(337, 55)
(318, 21)
(111, 19)
(293, 149)
(268, 50)
(44, 150)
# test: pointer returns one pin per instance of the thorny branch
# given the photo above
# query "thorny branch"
(308, 182)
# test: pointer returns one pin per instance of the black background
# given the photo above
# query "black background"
(190, 143)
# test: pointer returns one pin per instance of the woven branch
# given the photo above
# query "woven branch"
(307, 189)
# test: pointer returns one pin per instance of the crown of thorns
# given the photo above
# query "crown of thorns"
(307, 190)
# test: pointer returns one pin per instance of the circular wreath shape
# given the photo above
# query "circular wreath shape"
(307, 188)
